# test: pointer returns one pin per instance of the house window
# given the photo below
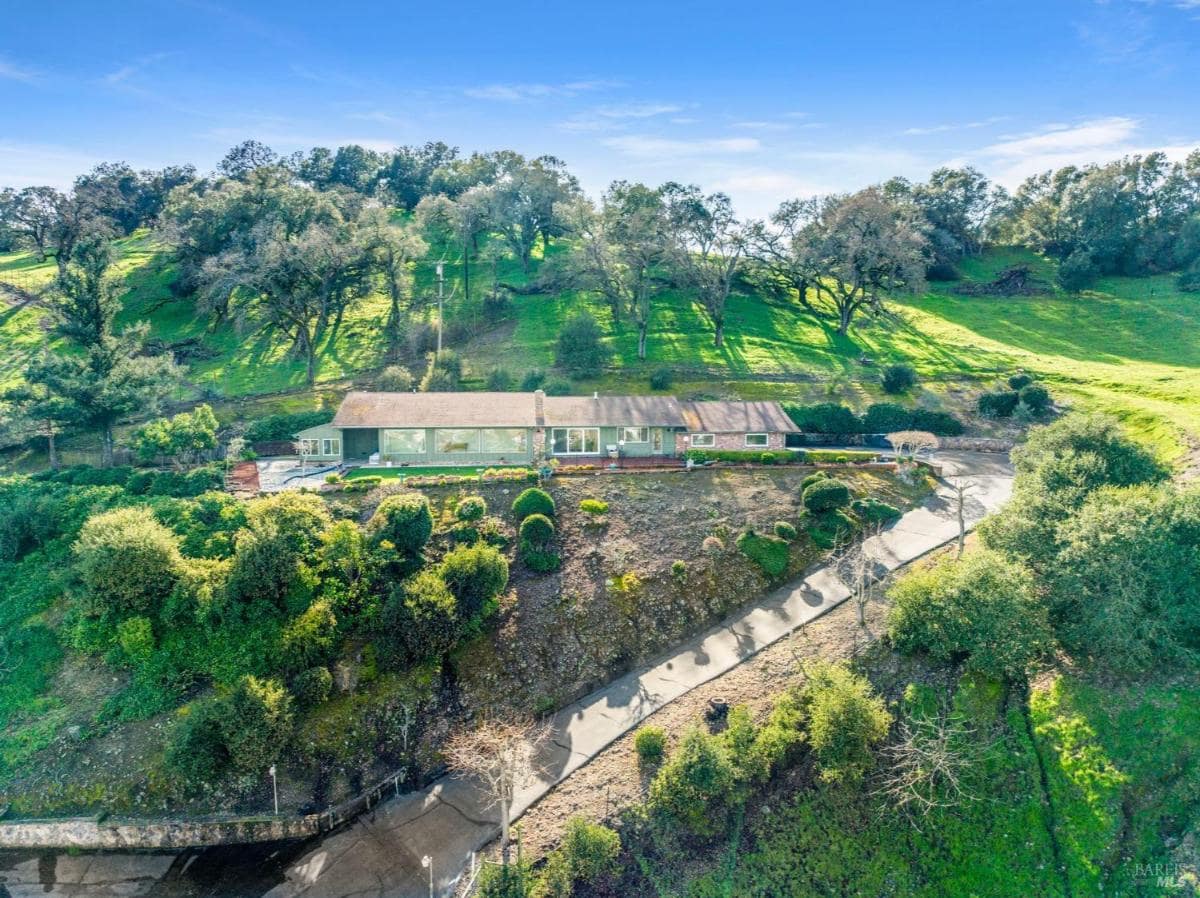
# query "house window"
(450, 442)
(635, 434)
(331, 447)
(575, 440)
(309, 447)
(503, 439)
(703, 440)
(404, 442)
(756, 440)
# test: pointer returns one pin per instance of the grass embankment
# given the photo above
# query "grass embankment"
(1127, 347)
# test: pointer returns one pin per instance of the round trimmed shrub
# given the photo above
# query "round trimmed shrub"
(650, 743)
(476, 575)
(470, 508)
(898, 378)
(537, 529)
(533, 501)
(811, 479)
(693, 791)
(826, 495)
(784, 530)
(127, 560)
(405, 520)
(1020, 380)
(1000, 404)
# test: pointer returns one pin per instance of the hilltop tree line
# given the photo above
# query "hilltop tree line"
(290, 243)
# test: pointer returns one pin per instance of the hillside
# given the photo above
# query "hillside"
(1126, 347)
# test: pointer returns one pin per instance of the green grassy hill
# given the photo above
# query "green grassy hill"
(1128, 347)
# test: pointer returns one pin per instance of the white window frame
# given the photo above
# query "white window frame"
(583, 440)
(703, 441)
(766, 441)
(383, 441)
(331, 446)
(640, 435)
(309, 446)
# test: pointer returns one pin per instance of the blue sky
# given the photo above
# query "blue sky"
(762, 100)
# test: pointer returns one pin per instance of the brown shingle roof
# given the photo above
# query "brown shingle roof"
(436, 410)
(737, 417)
(614, 411)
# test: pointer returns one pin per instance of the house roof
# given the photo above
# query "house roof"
(360, 409)
(614, 411)
(737, 417)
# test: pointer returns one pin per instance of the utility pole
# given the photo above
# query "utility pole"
(441, 282)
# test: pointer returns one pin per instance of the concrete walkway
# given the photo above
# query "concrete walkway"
(381, 853)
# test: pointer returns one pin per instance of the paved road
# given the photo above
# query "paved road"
(380, 854)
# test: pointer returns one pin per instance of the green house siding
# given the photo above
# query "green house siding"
(323, 443)
(362, 443)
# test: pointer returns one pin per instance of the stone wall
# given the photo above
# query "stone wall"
(975, 444)
(93, 833)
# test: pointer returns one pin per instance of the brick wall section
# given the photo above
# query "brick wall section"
(735, 441)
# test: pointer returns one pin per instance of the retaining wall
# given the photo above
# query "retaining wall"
(108, 833)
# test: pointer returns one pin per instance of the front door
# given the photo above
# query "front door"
(656, 440)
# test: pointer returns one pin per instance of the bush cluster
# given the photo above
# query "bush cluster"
(880, 417)
(769, 552)
(533, 501)
(825, 494)
(898, 378)
(747, 456)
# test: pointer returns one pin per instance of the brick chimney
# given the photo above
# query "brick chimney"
(539, 420)
(539, 407)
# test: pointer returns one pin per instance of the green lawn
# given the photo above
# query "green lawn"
(1128, 347)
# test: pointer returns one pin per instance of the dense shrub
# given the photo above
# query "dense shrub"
(256, 724)
(898, 378)
(444, 373)
(196, 750)
(580, 350)
(557, 387)
(769, 552)
(785, 530)
(300, 517)
(661, 379)
(470, 508)
(533, 501)
(874, 511)
(395, 379)
(127, 561)
(839, 456)
(695, 789)
(310, 638)
(825, 495)
(650, 743)
(1077, 271)
(887, 417)
(500, 380)
(811, 479)
(1019, 380)
(476, 575)
(285, 426)
(1036, 398)
(533, 380)
(844, 718)
(1000, 404)
(264, 565)
(404, 520)
(420, 619)
(313, 686)
(825, 417)
(589, 853)
(940, 423)
(981, 608)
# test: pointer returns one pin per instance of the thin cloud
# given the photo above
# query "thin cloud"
(954, 126)
(1097, 133)
(10, 71)
(762, 126)
(606, 118)
(124, 75)
(516, 93)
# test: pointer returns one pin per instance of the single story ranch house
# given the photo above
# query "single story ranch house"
(389, 429)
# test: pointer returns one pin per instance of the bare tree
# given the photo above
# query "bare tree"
(961, 487)
(929, 763)
(910, 442)
(502, 756)
(856, 566)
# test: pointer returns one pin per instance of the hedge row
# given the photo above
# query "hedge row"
(141, 482)
(753, 456)
(285, 426)
(881, 417)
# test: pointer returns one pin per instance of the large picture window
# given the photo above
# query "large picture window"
(575, 440)
(331, 447)
(508, 440)
(452, 441)
(756, 440)
(635, 434)
(403, 442)
(703, 440)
